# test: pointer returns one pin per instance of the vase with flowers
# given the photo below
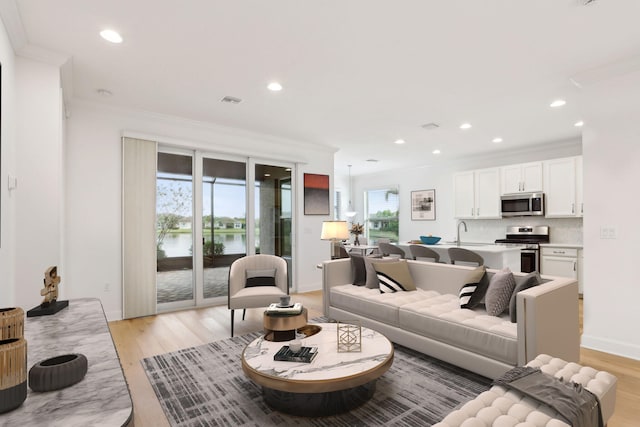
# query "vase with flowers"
(356, 229)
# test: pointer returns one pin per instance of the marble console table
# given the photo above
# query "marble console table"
(102, 398)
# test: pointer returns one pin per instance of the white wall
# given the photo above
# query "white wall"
(38, 168)
(8, 145)
(93, 191)
(611, 158)
(440, 178)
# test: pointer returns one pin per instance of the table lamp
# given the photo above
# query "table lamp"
(334, 231)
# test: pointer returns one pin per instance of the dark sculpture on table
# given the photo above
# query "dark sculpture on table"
(50, 304)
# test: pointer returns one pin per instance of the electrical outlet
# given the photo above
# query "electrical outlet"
(107, 287)
(608, 233)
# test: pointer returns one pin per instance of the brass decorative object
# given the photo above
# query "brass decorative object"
(349, 337)
(50, 304)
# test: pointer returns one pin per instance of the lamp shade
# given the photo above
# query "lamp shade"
(334, 230)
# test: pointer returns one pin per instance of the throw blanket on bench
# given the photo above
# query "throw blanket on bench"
(577, 405)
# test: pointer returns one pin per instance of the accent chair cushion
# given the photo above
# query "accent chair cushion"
(529, 281)
(499, 292)
(266, 277)
(358, 270)
(474, 291)
(394, 276)
(372, 278)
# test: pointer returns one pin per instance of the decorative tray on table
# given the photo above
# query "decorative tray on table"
(305, 355)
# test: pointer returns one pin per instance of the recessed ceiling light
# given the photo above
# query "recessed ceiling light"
(579, 124)
(436, 151)
(399, 141)
(497, 140)
(558, 103)
(288, 169)
(111, 36)
(267, 174)
(274, 86)
(465, 126)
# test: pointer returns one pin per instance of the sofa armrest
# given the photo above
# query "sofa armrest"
(548, 321)
(335, 272)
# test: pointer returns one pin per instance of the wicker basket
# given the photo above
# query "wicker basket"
(11, 323)
(13, 373)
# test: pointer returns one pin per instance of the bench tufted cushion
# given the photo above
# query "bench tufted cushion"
(498, 407)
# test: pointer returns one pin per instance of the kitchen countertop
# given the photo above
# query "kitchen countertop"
(472, 246)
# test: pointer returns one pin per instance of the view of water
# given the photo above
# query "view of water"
(179, 244)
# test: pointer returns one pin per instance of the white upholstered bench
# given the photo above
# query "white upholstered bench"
(499, 407)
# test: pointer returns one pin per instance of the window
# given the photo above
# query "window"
(381, 213)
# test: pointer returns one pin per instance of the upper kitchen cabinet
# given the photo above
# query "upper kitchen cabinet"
(525, 177)
(477, 194)
(563, 187)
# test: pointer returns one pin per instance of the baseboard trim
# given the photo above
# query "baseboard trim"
(309, 287)
(611, 346)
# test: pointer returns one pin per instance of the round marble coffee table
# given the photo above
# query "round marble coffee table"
(332, 383)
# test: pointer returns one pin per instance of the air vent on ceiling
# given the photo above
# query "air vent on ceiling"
(430, 126)
(231, 100)
(586, 2)
(372, 160)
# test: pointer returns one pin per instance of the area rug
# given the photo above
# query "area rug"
(205, 386)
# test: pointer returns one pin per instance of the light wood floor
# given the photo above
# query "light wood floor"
(138, 338)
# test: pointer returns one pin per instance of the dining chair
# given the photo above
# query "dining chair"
(464, 257)
(421, 253)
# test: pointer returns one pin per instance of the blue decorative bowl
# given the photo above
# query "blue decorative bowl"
(429, 240)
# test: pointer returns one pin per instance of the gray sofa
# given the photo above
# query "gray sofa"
(431, 321)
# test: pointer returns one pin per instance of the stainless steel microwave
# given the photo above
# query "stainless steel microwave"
(522, 204)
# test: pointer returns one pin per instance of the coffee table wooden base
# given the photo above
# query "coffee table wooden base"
(318, 404)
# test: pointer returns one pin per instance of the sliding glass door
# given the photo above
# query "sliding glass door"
(207, 217)
(174, 231)
(224, 221)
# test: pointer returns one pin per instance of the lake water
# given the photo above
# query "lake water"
(179, 244)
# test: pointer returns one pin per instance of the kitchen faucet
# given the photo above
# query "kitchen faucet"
(465, 229)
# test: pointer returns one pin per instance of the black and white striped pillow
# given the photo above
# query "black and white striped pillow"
(471, 294)
(394, 277)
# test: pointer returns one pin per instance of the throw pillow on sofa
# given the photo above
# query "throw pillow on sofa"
(358, 270)
(474, 291)
(394, 276)
(499, 292)
(528, 281)
(372, 278)
(265, 277)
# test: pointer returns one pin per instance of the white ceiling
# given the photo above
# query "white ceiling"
(357, 74)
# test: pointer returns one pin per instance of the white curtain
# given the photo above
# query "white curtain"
(139, 165)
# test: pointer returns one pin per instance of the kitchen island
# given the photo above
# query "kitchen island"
(495, 256)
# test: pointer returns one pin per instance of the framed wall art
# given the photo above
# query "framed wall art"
(316, 194)
(423, 205)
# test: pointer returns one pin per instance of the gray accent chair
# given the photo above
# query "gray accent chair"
(421, 253)
(464, 256)
(387, 249)
(241, 297)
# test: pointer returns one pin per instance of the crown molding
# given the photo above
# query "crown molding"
(606, 72)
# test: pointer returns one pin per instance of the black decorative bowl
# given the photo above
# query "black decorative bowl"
(57, 372)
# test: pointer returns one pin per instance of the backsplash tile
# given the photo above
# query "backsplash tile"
(561, 230)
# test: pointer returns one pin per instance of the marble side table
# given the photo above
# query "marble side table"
(101, 397)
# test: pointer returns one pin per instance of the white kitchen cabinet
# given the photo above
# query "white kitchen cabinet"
(520, 178)
(477, 194)
(560, 188)
(560, 261)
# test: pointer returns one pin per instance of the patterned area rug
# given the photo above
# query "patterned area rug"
(205, 386)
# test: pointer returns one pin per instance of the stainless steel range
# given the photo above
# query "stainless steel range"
(528, 237)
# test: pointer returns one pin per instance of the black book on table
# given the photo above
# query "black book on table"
(305, 355)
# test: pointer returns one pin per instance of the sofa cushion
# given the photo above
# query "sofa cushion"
(529, 281)
(499, 292)
(473, 292)
(373, 304)
(266, 277)
(441, 318)
(394, 277)
(358, 270)
(372, 277)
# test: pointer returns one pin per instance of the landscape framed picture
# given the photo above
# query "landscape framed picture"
(423, 205)
(316, 194)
